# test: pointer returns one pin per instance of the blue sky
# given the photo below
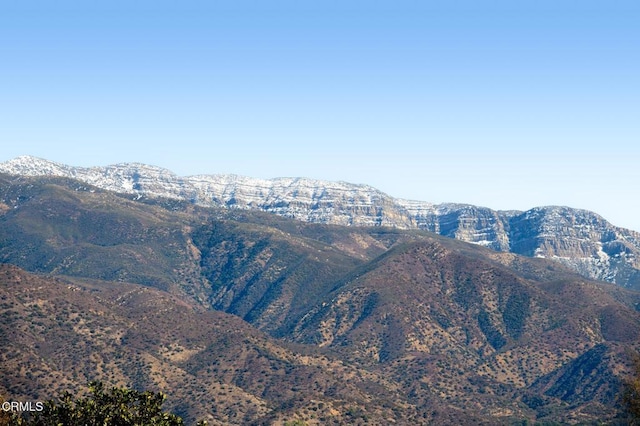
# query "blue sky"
(505, 104)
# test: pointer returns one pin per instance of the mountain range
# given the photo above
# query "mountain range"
(579, 239)
(245, 317)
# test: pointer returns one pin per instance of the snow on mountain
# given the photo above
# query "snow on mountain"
(577, 238)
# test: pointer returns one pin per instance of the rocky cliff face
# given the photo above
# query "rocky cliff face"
(577, 238)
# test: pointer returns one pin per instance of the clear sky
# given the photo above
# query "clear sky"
(505, 104)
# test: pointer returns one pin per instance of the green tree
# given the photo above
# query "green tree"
(113, 407)
(296, 422)
(5, 416)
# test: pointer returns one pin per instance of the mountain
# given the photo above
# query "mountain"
(580, 239)
(246, 317)
(58, 334)
(455, 322)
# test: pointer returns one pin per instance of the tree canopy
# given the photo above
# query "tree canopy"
(114, 407)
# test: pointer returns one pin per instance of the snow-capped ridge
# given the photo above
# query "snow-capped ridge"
(580, 239)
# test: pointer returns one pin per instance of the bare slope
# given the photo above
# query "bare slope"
(458, 324)
(59, 334)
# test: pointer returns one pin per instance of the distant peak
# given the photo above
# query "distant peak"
(29, 165)
(26, 159)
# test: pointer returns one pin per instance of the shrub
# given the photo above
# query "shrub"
(117, 407)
